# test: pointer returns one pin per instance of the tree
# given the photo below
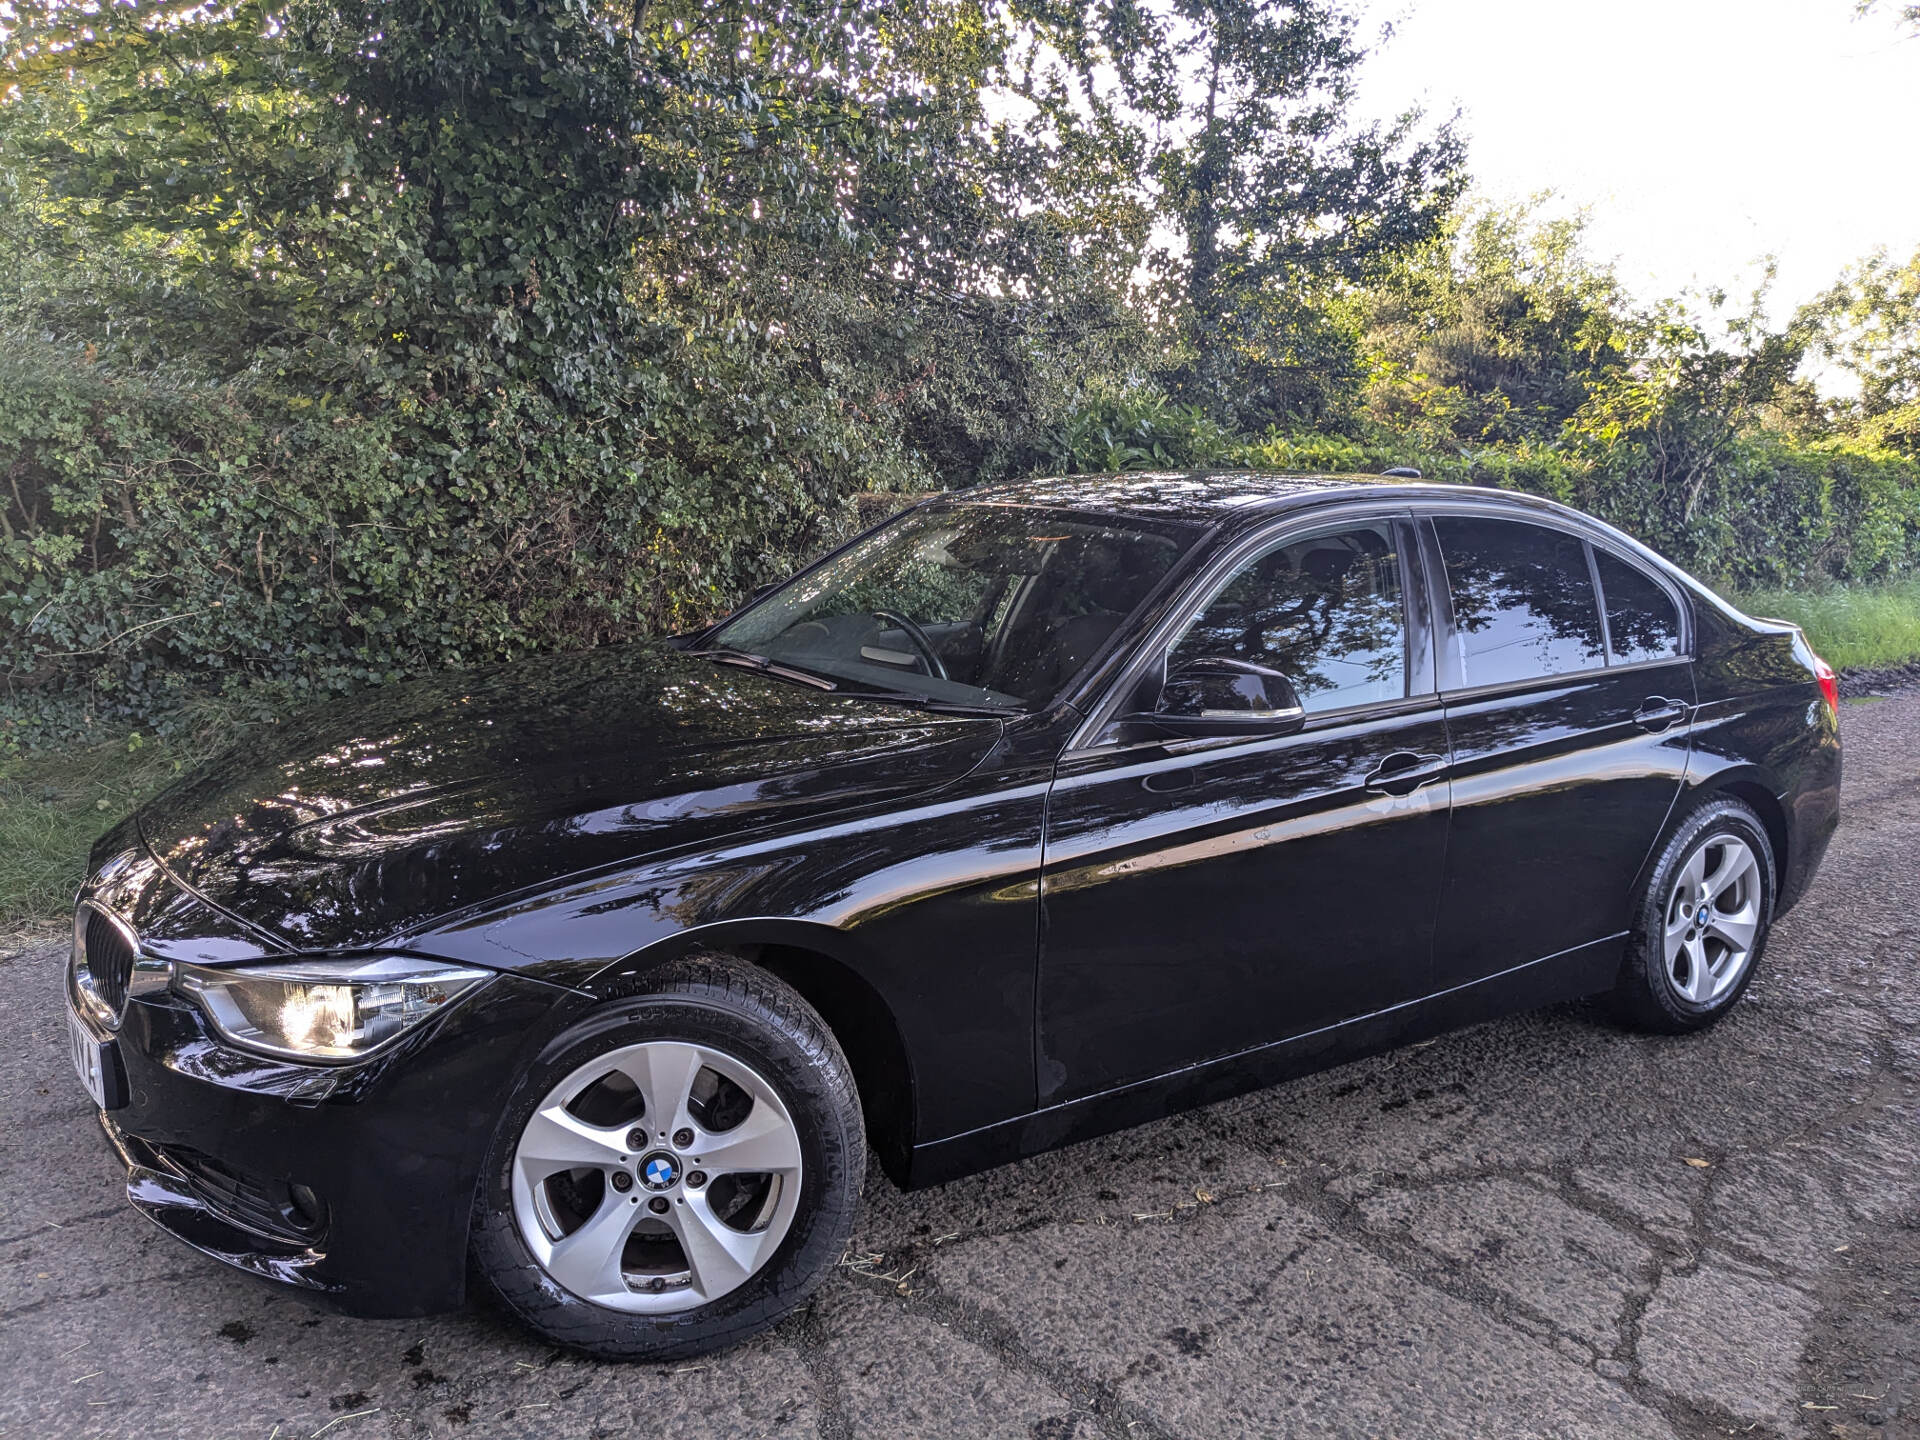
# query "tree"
(1868, 326)
(358, 339)
(1663, 432)
(1271, 193)
(1495, 330)
(178, 181)
(975, 284)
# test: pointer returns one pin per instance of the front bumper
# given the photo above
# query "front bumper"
(217, 1142)
(174, 1191)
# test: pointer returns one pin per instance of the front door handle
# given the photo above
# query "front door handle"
(1657, 713)
(1162, 781)
(1404, 772)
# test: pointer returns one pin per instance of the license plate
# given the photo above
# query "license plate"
(97, 1063)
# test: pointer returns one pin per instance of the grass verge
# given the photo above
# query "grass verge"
(53, 805)
(1850, 625)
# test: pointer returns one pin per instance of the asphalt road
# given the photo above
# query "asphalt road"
(1541, 1227)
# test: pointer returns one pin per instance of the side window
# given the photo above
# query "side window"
(1523, 601)
(1642, 622)
(1327, 612)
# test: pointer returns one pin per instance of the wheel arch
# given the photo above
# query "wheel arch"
(824, 966)
(1748, 784)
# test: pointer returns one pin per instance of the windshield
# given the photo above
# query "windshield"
(976, 604)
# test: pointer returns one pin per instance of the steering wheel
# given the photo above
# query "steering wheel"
(936, 667)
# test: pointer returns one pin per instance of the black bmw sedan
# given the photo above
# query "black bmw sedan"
(1035, 812)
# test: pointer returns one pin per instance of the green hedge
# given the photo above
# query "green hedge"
(1770, 513)
(171, 542)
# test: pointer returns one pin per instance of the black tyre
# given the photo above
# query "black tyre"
(676, 1171)
(1701, 923)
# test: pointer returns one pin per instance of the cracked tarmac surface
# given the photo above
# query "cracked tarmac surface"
(1538, 1227)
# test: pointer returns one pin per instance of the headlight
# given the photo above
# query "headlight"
(324, 1009)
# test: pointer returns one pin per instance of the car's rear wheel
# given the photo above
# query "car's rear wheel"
(678, 1170)
(1702, 921)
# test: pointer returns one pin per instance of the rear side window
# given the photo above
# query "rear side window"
(1523, 601)
(1642, 620)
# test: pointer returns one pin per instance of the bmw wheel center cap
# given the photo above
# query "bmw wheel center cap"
(659, 1170)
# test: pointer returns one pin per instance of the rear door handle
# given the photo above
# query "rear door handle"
(1657, 713)
(1404, 772)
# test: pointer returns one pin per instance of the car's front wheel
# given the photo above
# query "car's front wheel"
(1702, 921)
(677, 1171)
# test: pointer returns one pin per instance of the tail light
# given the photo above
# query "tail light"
(1829, 683)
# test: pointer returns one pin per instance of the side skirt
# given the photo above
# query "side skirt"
(1568, 975)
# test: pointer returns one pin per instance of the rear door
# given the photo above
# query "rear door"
(1568, 694)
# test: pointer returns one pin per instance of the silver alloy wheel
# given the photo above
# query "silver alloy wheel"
(1713, 916)
(657, 1213)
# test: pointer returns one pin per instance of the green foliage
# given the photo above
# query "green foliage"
(1775, 512)
(1240, 112)
(1136, 430)
(1537, 469)
(183, 538)
(349, 344)
(1663, 433)
(1502, 356)
(1494, 331)
(1868, 327)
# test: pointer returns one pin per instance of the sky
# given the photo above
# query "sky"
(1702, 135)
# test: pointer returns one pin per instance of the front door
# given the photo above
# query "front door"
(1568, 698)
(1203, 897)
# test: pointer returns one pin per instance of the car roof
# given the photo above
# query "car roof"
(1217, 498)
(1198, 496)
(1225, 502)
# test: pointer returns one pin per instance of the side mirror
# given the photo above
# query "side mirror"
(1215, 695)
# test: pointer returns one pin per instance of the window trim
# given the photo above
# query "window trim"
(1683, 650)
(1468, 694)
(1599, 600)
(1417, 610)
(1573, 527)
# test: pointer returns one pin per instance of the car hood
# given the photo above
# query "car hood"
(368, 819)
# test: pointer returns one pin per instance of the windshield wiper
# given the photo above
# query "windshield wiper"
(746, 659)
(929, 702)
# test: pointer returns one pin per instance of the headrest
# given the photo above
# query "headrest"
(1328, 566)
(1106, 578)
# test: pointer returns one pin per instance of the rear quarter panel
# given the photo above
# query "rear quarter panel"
(1762, 723)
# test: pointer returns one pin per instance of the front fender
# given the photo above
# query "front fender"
(935, 910)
